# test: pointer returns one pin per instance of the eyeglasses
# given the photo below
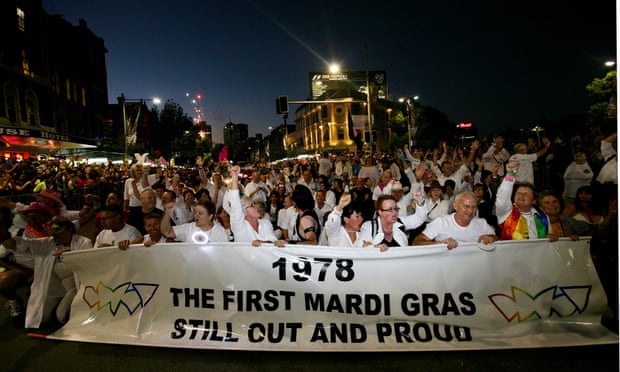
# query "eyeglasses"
(393, 209)
(249, 206)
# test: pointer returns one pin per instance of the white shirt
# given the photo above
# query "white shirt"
(435, 209)
(410, 222)
(241, 228)
(324, 165)
(446, 227)
(285, 216)
(108, 236)
(189, 232)
(337, 235)
(42, 249)
(259, 195)
(456, 176)
(490, 159)
(525, 173)
(575, 176)
(378, 191)
(609, 171)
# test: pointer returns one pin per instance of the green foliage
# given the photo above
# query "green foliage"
(601, 88)
(177, 134)
(433, 126)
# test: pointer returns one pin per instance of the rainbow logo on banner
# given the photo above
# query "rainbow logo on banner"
(130, 296)
(556, 300)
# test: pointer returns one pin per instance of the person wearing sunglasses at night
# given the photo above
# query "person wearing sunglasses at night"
(245, 220)
(387, 229)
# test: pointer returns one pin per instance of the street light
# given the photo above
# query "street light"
(389, 116)
(537, 129)
(411, 121)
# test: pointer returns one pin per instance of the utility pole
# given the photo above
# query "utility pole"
(368, 97)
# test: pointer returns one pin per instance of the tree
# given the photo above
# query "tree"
(175, 134)
(603, 91)
(433, 126)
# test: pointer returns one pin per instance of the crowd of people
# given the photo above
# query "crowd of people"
(481, 192)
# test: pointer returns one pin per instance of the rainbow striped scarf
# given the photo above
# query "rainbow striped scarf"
(515, 226)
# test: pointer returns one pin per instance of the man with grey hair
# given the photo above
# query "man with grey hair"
(461, 226)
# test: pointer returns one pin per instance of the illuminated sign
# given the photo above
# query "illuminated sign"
(343, 84)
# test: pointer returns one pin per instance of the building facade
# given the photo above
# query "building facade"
(340, 119)
(53, 82)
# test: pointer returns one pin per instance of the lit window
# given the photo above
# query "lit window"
(340, 132)
(26, 65)
(84, 97)
(21, 25)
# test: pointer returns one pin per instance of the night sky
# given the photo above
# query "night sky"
(497, 64)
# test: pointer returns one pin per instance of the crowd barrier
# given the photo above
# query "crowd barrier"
(512, 294)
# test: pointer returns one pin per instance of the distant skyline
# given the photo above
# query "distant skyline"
(495, 64)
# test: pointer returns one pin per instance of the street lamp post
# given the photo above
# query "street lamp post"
(389, 116)
(122, 102)
(409, 104)
(368, 97)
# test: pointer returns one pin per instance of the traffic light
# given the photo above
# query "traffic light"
(282, 105)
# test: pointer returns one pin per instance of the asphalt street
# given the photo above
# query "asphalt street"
(23, 353)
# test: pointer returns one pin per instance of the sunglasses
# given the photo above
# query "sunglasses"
(251, 205)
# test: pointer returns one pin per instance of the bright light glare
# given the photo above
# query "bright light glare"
(156, 101)
(334, 68)
(610, 63)
(200, 237)
(97, 161)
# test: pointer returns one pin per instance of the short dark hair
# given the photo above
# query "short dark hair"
(112, 208)
(548, 192)
(61, 224)
(528, 185)
(350, 209)
(150, 215)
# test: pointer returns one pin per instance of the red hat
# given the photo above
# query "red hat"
(51, 195)
(37, 207)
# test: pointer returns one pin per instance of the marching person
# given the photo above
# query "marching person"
(387, 230)
(515, 208)
(115, 231)
(245, 221)
(460, 226)
(204, 225)
(54, 285)
(344, 223)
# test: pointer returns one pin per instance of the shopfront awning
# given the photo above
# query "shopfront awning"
(42, 141)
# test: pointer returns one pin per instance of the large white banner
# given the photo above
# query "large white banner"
(234, 296)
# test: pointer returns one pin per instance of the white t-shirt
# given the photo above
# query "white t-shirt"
(108, 236)
(525, 173)
(186, 233)
(575, 176)
(446, 227)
